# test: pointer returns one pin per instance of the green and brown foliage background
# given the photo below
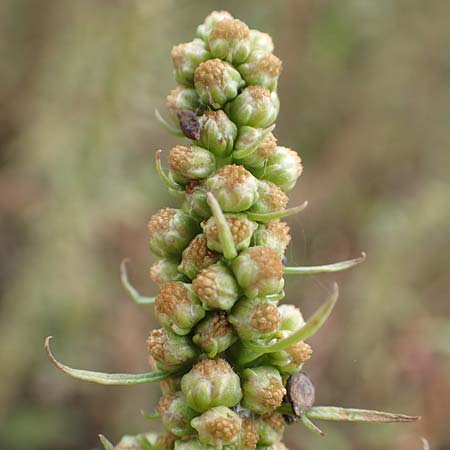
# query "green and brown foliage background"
(365, 96)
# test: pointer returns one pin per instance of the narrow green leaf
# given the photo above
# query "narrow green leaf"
(335, 413)
(275, 215)
(311, 327)
(311, 426)
(167, 126)
(164, 178)
(326, 268)
(223, 230)
(244, 153)
(275, 297)
(134, 294)
(106, 444)
(114, 379)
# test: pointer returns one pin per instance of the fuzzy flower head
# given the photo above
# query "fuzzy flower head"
(175, 414)
(218, 426)
(214, 334)
(261, 69)
(241, 229)
(256, 144)
(186, 57)
(263, 389)
(170, 231)
(170, 351)
(217, 82)
(196, 203)
(270, 428)
(229, 40)
(271, 198)
(211, 382)
(196, 257)
(178, 308)
(216, 287)
(211, 20)
(274, 235)
(234, 187)
(259, 271)
(291, 359)
(255, 319)
(255, 106)
(182, 98)
(260, 41)
(217, 133)
(190, 163)
(163, 271)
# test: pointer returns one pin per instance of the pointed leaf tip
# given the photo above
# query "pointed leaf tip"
(106, 444)
(166, 125)
(171, 184)
(112, 379)
(325, 268)
(275, 215)
(132, 291)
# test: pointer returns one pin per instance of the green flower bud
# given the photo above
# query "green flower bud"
(186, 58)
(254, 146)
(181, 99)
(178, 308)
(211, 382)
(196, 257)
(283, 168)
(271, 198)
(196, 203)
(254, 106)
(291, 359)
(241, 230)
(176, 415)
(270, 428)
(261, 41)
(291, 318)
(163, 271)
(216, 287)
(218, 426)
(214, 334)
(229, 39)
(234, 187)
(217, 82)
(170, 232)
(261, 69)
(190, 163)
(248, 436)
(255, 319)
(262, 388)
(138, 442)
(165, 441)
(217, 133)
(274, 235)
(259, 271)
(191, 444)
(170, 351)
(211, 20)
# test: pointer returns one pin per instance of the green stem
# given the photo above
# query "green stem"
(106, 444)
(167, 126)
(223, 230)
(326, 268)
(164, 178)
(311, 327)
(275, 215)
(114, 379)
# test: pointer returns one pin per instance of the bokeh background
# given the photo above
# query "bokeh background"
(365, 96)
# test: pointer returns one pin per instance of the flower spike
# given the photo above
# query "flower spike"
(326, 268)
(223, 230)
(134, 294)
(164, 178)
(112, 379)
(167, 126)
(275, 215)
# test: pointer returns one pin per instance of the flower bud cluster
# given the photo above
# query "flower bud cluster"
(213, 301)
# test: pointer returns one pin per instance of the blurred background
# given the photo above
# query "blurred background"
(365, 96)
